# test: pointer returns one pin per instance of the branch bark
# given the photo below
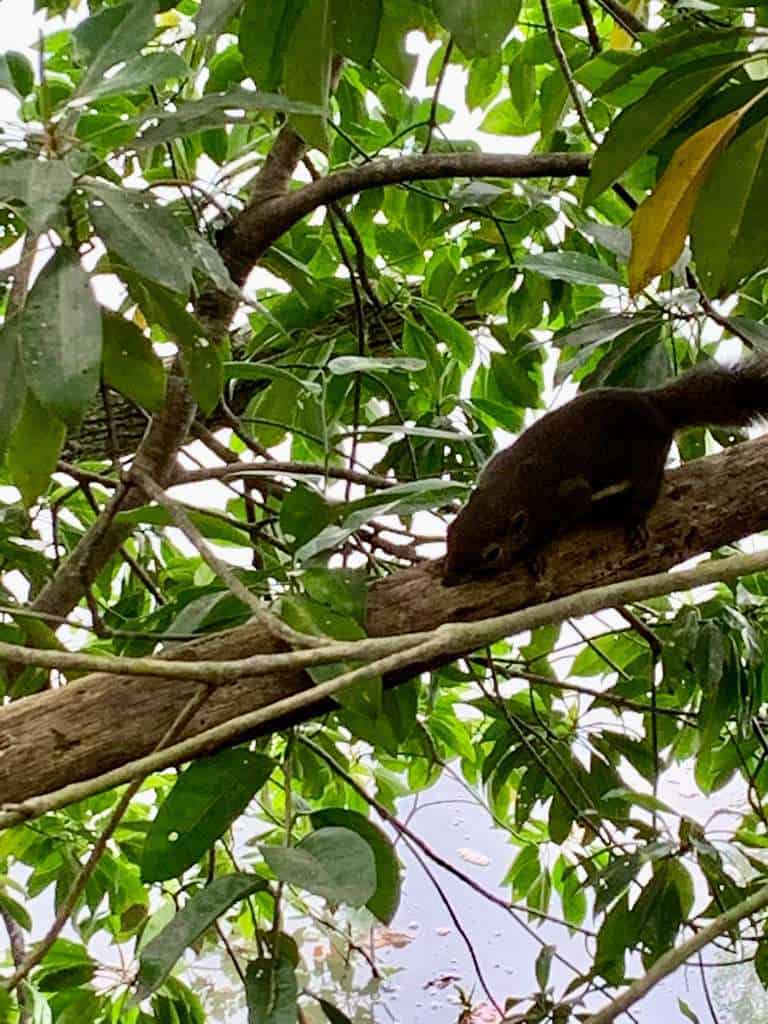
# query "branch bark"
(51, 739)
(260, 224)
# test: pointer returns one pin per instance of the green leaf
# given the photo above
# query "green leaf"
(368, 364)
(303, 514)
(319, 619)
(543, 964)
(343, 590)
(761, 961)
(478, 26)
(504, 119)
(196, 916)
(522, 86)
(208, 261)
(729, 235)
(308, 69)
(213, 110)
(113, 35)
(203, 367)
(574, 267)
(61, 338)
(12, 386)
(42, 185)
(130, 364)
(385, 900)
(264, 371)
(205, 800)
(142, 234)
(755, 331)
(266, 27)
(213, 16)
(333, 862)
(210, 526)
(16, 73)
(688, 1012)
(640, 126)
(709, 657)
(271, 991)
(355, 28)
(147, 69)
(403, 499)
(454, 334)
(34, 448)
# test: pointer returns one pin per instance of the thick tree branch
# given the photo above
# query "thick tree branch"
(52, 739)
(262, 223)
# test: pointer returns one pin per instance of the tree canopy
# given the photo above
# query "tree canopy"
(265, 314)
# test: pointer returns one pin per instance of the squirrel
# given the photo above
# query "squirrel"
(600, 455)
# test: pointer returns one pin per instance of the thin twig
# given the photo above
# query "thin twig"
(674, 958)
(432, 122)
(624, 18)
(565, 67)
(589, 23)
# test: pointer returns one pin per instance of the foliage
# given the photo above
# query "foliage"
(379, 348)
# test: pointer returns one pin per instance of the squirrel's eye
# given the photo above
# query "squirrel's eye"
(491, 553)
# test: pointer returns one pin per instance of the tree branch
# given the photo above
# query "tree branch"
(260, 224)
(62, 736)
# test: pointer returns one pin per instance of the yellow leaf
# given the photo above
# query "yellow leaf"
(660, 224)
(621, 40)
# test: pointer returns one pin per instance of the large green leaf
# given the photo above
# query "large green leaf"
(403, 499)
(729, 233)
(34, 448)
(271, 991)
(384, 902)
(148, 69)
(478, 26)
(217, 108)
(131, 365)
(42, 185)
(202, 364)
(61, 338)
(113, 35)
(16, 73)
(142, 234)
(355, 28)
(574, 267)
(332, 862)
(196, 916)
(203, 803)
(266, 28)
(639, 127)
(307, 76)
(368, 364)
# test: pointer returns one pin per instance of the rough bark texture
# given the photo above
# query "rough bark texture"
(100, 722)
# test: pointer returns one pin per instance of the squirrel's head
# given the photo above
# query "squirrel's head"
(484, 539)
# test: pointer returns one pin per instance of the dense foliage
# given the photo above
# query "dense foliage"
(401, 315)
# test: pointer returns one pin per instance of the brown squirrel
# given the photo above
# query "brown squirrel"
(603, 454)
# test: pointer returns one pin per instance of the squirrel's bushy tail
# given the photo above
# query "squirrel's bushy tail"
(723, 396)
